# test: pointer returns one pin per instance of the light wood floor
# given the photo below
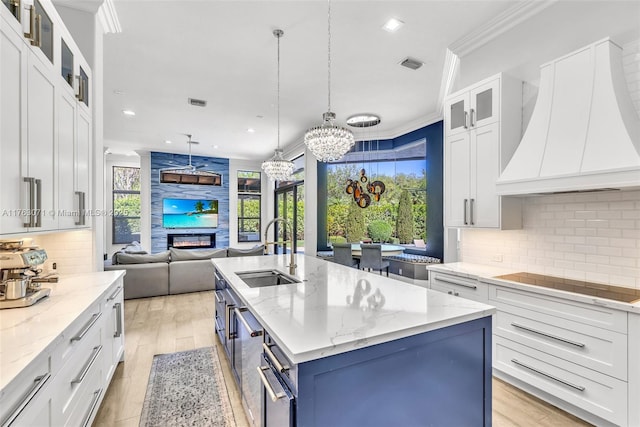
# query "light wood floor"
(183, 322)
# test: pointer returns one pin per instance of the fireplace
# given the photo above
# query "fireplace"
(191, 241)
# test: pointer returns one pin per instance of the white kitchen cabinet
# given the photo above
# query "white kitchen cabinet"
(461, 287)
(482, 130)
(46, 124)
(113, 332)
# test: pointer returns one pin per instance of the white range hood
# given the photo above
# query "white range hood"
(584, 133)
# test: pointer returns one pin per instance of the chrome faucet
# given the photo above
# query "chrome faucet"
(287, 225)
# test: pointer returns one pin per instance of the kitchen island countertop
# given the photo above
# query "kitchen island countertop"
(336, 309)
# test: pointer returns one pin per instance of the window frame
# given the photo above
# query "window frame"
(114, 192)
(248, 195)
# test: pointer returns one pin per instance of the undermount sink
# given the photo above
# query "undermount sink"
(261, 278)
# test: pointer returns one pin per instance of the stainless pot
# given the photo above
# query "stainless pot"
(15, 288)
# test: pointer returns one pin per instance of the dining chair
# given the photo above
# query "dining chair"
(371, 258)
(342, 255)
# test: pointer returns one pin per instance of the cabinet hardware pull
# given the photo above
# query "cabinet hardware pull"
(279, 366)
(544, 334)
(471, 211)
(92, 407)
(37, 42)
(228, 321)
(87, 366)
(267, 385)
(219, 299)
(114, 294)
(465, 212)
(81, 89)
(86, 327)
(454, 282)
(38, 382)
(252, 332)
(38, 186)
(80, 220)
(118, 308)
(471, 114)
(32, 201)
(466, 118)
(32, 23)
(450, 292)
(456, 294)
(553, 377)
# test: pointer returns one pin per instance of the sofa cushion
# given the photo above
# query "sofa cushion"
(144, 280)
(122, 258)
(191, 276)
(256, 250)
(195, 254)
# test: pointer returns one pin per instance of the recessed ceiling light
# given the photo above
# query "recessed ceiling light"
(215, 146)
(392, 25)
(363, 120)
(251, 130)
(128, 112)
(167, 142)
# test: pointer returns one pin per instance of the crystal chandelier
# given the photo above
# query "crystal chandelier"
(329, 142)
(277, 168)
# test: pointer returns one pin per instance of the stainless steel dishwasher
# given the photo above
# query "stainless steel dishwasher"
(246, 356)
(278, 398)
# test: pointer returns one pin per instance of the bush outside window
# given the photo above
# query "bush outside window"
(126, 204)
(249, 206)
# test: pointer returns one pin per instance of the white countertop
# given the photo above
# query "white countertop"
(487, 274)
(27, 332)
(323, 315)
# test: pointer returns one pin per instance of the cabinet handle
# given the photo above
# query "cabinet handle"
(228, 321)
(92, 407)
(114, 294)
(453, 282)
(267, 385)
(32, 23)
(38, 40)
(87, 366)
(80, 94)
(471, 211)
(544, 334)
(81, 207)
(118, 308)
(252, 332)
(86, 327)
(465, 212)
(38, 383)
(32, 201)
(553, 377)
(279, 366)
(466, 119)
(219, 299)
(38, 186)
(471, 122)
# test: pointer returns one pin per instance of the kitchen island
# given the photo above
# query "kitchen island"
(356, 348)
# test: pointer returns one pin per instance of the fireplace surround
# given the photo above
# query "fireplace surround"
(191, 241)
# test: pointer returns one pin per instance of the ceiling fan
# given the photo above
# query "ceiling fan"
(190, 166)
(190, 174)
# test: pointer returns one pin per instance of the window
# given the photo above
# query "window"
(126, 204)
(249, 206)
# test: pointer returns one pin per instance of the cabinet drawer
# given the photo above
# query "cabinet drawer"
(87, 358)
(77, 333)
(83, 408)
(594, 315)
(32, 382)
(595, 348)
(465, 288)
(599, 394)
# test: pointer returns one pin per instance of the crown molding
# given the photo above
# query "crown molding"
(449, 74)
(498, 25)
(109, 17)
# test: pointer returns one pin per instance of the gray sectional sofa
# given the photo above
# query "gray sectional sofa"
(175, 271)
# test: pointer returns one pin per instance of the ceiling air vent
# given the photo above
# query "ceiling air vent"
(197, 102)
(414, 64)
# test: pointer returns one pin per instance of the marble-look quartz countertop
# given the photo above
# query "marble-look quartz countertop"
(488, 274)
(28, 331)
(336, 309)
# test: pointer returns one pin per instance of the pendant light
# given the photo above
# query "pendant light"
(329, 142)
(277, 168)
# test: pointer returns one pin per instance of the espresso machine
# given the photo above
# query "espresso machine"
(20, 279)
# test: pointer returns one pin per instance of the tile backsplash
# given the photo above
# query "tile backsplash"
(584, 236)
(72, 251)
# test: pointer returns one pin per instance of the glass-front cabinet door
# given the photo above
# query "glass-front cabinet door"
(42, 31)
(457, 115)
(484, 104)
(14, 8)
(66, 63)
(83, 87)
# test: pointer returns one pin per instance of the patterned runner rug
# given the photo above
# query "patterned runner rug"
(187, 389)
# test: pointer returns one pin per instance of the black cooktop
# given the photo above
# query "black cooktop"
(617, 293)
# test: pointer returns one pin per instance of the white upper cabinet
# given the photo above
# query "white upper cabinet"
(45, 121)
(482, 130)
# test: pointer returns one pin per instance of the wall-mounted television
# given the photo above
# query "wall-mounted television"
(189, 213)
